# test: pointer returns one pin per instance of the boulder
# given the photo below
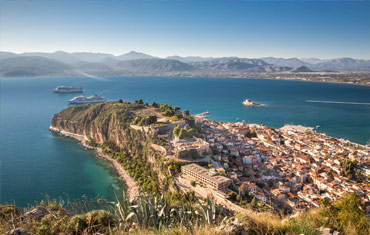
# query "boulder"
(233, 229)
(19, 231)
(328, 231)
(35, 215)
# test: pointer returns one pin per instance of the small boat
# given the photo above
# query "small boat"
(70, 89)
(249, 102)
(87, 100)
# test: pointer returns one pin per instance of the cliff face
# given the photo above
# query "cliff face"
(103, 122)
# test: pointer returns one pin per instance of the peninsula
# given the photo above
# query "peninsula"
(253, 159)
(241, 167)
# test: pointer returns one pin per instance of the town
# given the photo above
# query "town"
(291, 169)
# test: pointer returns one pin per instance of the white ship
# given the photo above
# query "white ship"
(66, 89)
(87, 99)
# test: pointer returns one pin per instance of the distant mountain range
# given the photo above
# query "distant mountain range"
(135, 63)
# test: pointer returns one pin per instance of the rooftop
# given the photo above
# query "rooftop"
(206, 173)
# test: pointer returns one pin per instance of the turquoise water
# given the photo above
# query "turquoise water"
(35, 161)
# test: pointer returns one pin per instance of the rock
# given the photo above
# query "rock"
(19, 231)
(61, 211)
(328, 231)
(36, 214)
(39, 212)
(233, 229)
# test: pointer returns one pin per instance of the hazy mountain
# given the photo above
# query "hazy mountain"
(312, 60)
(301, 69)
(5, 55)
(290, 62)
(32, 66)
(133, 55)
(90, 66)
(64, 63)
(343, 65)
(229, 64)
(61, 56)
(92, 57)
(189, 58)
(72, 58)
(153, 66)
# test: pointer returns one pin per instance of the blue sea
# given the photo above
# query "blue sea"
(35, 161)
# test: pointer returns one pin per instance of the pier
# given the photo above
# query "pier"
(335, 102)
(202, 114)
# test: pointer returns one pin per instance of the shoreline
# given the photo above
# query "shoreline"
(208, 76)
(132, 189)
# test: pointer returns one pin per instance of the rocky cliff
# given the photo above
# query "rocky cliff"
(107, 125)
(103, 122)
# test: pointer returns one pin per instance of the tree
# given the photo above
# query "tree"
(186, 112)
(253, 203)
(231, 195)
(169, 113)
(120, 101)
(139, 101)
(347, 212)
(176, 130)
(192, 183)
(155, 105)
(183, 133)
(242, 190)
(152, 119)
(191, 132)
(177, 108)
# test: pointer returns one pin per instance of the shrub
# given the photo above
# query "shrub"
(139, 101)
(347, 214)
(50, 225)
(192, 183)
(155, 105)
(8, 211)
(96, 221)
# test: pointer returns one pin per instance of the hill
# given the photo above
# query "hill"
(153, 66)
(290, 62)
(28, 66)
(133, 55)
(62, 63)
(301, 69)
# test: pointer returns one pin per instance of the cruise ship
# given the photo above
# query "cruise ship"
(86, 99)
(66, 89)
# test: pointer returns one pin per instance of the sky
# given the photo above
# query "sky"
(216, 28)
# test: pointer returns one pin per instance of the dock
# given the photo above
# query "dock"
(202, 114)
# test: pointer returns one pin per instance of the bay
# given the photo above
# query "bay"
(35, 161)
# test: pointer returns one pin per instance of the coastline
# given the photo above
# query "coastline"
(132, 189)
(216, 76)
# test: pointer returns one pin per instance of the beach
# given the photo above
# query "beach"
(132, 189)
